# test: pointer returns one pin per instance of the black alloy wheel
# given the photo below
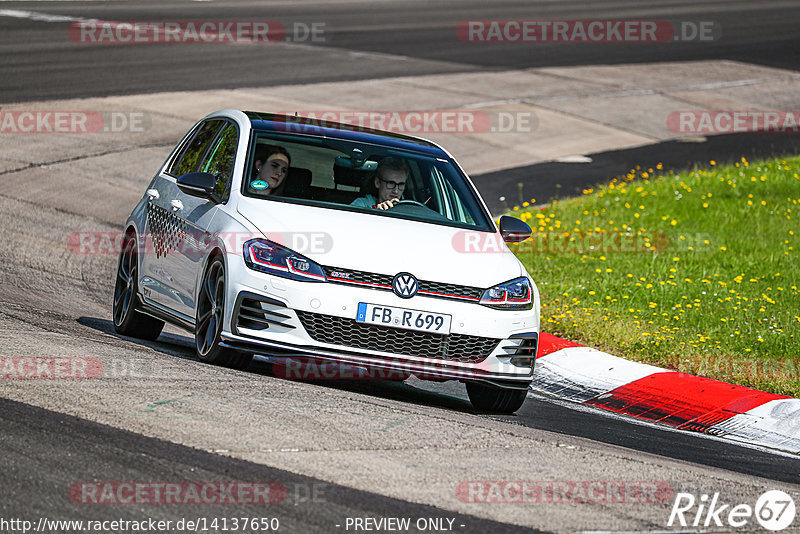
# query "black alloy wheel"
(210, 317)
(127, 320)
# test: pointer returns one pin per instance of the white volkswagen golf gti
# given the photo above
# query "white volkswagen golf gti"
(291, 239)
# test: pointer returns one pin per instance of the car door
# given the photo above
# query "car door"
(196, 215)
(175, 223)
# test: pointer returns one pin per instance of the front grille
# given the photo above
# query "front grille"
(473, 293)
(336, 274)
(348, 332)
(384, 282)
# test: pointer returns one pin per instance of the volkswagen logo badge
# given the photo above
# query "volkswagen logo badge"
(405, 285)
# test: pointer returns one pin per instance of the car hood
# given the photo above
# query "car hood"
(385, 245)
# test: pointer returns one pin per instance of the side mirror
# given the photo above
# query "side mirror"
(199, 184)
(513, 230)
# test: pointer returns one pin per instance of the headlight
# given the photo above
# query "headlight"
(266, 256)
(515, 294)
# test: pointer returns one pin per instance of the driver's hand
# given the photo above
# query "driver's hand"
(386, 204)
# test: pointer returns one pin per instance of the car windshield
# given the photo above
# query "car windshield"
(345, 175)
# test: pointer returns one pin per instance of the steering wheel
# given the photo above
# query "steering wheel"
(409, 203)
(412, 207)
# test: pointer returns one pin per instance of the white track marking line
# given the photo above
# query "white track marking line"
(39, 17)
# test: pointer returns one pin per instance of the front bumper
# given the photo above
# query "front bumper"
(496, 347)
(430, 369)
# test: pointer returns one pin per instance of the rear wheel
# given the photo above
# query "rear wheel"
(209, 319)
(128, 321)
(498, 400)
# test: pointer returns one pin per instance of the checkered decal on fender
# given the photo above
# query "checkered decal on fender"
(166, 228)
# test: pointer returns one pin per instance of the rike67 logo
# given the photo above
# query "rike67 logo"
(774, 510)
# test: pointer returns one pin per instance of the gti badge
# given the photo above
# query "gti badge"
(405, 285)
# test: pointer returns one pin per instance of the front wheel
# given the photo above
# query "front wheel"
(209, 319)
(497, 400)
(127, 320)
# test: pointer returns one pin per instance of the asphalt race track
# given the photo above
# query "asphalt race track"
(339, 449)
(307, 504)
(362, 40)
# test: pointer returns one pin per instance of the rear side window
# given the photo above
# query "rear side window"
(220, 159)
(194, 151)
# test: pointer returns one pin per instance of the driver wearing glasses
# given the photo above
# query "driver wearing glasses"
(389, 183)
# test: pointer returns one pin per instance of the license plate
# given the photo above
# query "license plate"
(437, 323)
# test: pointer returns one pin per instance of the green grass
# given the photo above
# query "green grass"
(696, 271)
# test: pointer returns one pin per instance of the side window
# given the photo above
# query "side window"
(221, 157)
(449, 198)
(439, 193)
(189, 160)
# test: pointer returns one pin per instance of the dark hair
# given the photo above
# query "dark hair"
(263, 152)
(391, 164)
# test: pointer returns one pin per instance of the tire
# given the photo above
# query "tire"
(209, 318)
(495, 400)
(127, 320)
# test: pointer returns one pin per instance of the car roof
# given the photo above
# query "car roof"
(336, 130)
